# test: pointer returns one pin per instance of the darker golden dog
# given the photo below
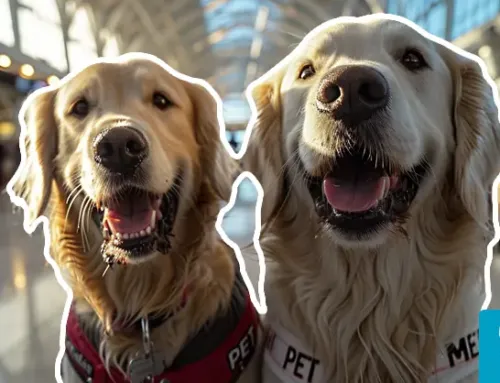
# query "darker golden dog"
(125, 158)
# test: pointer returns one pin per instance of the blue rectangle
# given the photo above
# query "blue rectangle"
(489, 346)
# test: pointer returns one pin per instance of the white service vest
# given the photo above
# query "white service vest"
(292, 362)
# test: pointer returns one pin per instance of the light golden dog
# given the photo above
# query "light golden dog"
(126, 159)
(377, 204)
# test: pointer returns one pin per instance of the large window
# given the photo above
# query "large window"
(471, 14)
(429, 14)
(234, 33)
(82, 48)
(40, 32)
(432, 14)
(434, 19)
(6, 29)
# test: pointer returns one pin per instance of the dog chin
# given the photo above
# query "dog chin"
(144, 258)
(373, 240)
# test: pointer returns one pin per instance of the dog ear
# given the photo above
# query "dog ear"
(263, 156)
(38, 143)
(477, 133)
(217, 166)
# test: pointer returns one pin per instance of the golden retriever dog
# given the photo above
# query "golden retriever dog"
(377, 204)
(126, 159)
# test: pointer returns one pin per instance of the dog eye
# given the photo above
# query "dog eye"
(161, 101)
(413, 60)
(81, 108)
(306, 72)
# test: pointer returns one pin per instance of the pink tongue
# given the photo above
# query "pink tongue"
(130, 215)
(357, 196)
(128, 224)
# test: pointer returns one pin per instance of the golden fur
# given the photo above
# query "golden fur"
(377, 311)
(59, 177)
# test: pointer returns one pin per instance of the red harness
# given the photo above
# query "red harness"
(224, 365)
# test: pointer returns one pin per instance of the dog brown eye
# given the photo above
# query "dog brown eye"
(413, 60)
(160, 101)
(80, 108)
(306, 72)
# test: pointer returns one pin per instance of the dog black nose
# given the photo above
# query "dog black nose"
(120, 149)
(352, 93)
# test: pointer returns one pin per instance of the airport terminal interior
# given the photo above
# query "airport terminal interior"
(229, 43)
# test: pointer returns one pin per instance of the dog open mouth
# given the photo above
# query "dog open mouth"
(359, 195)
(135, 223)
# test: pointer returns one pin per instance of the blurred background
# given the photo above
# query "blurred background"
(227, 42)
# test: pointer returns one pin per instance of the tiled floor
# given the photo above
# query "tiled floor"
(31, 301)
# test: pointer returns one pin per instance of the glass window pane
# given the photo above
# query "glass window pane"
(392, 6)
(436, 21)
(45, 9)
(111, 48)
(80, 55)
(470, 14)
(48, 47)
(6, 29)
(81, 29)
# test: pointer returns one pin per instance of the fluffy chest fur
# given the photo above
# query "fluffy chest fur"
(377, 315)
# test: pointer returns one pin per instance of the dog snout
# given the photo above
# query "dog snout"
(353, 94)
(120, 150)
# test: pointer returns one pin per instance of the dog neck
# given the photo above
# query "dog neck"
(386, 310)
(128, 293)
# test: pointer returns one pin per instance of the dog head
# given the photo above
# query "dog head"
(132, 145)
(374, 117)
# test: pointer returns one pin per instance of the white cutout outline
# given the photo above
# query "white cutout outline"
(261, 307)
(449, 45)
(43, 220)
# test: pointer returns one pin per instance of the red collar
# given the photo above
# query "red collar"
(224, 365)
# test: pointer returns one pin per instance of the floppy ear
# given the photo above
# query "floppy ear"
(217, 166)
(477, 134)
(264, 157)
(38, 143)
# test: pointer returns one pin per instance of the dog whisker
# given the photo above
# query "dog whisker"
(77, 191)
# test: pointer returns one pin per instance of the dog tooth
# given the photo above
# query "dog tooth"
(118, 236)
(149, 230)
(386, 187)
(143, 233)
(382, 191)
(126, 236)
(106, 233)
(153, 219)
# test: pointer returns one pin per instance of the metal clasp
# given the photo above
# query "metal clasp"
(145, 366)
(146, 337)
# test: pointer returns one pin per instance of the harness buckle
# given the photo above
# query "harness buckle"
(145, 366)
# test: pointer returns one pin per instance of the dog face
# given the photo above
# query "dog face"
(371, 114)
(132, 144)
